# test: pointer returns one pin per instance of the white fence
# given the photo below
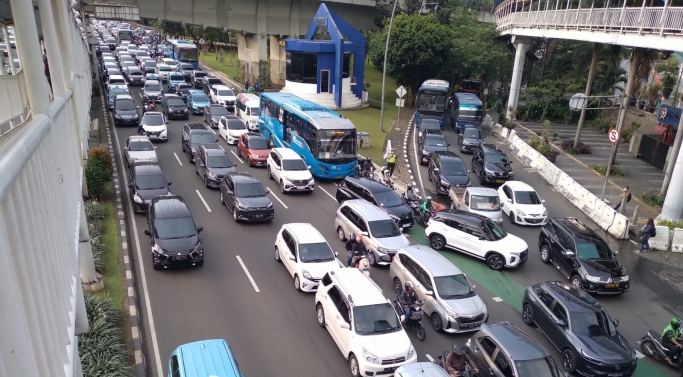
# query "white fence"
(14, 108)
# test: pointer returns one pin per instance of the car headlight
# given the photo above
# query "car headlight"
(592, 279)
(444, 182)
(370, 357)
(270, 205)
(231, 134)
(451, 313)
(240, 205)
(211, 175)
(545, 212)
(117, 116)
(136, 116)
(591, 358)
(382, 250)
(137, 198)
(487, 170)
(255, 156)
(311, 182)
(624, 278)
(519, 212)
(157, 250)
(424, 152)
(220, 102)
(307, 275)
(411, 351)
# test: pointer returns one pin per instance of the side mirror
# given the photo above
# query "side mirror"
(267, 191)
(137, 107)
(468, 171)
(509, 200)
(561, 323)
(147, 232)
(309, 166)
(125, 148)
(155, 147)
(364, 234)
(292, 257)
(429, 293)
(336, 253)
(615, 322)
(474, 286)
(436, 170)
(569, 253)
(169, 183)
(448, 145)
(345, 326)
(542, 201)
(199, 229)
(616, 252)
(216, 140)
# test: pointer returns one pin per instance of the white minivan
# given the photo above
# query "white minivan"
(247, 108)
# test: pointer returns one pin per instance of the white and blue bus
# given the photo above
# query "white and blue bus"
(324, 138)
(466, 111)
(183, 52)
(432, 100)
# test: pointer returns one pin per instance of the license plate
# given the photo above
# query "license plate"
(179, 258)
(612, 285)
(472, 325)
(260, 163)
(500, 180)
(258, 216)
(389, 370)
(300, 187)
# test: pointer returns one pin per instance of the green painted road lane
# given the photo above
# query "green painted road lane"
(511, 292)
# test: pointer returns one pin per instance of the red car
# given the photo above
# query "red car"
(254, 148)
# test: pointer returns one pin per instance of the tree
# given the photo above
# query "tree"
(418, 49)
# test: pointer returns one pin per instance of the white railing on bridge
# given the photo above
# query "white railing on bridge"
(14, 108)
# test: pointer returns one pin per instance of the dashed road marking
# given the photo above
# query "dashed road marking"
(211, 129)
(203, 201)
(251, 279)
(278, 199)
(328, 194)
(238, 157)
(639, 354)
(430, 358)
(178, 159)
(497, 299)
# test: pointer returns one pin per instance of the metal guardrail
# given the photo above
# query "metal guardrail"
(13, 97)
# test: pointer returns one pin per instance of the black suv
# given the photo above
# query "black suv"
(503, 349)
(134, 76)
(208, 82)
(125, 110)
(194, 135)
(580, 329)
(174, 107)
(431, 141)
(212, 164)
(379, 195)
(470, 138)
(582, 256)
(173, 233)
(146, 181)
(246, 198)
(196, 78)
(213, 114)
(447, 170)
(491, 164)
(182, 90)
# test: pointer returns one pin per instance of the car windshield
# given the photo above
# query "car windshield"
(527, 197)
(154, 120)
(199, 74)
(431, 101)
(226, 93)
(485, 203)
(177, 77)
(375, 319)
(236, 124)
(435, 141)
(294, 165)
(592, 323)
(202, 138)
(495, 158)
(593, 250)
(454, 168)
(453, 287)
(388, 199)
(539, 367)
(218, 111)
(200, 98)
(174, 228)
(335, 146)
(472, 133)
(494, 231)
(126, 105)
(258, 143)
(429, 124)
(315, 252)
(384, 228)
(249, 190)
(140, 146)
(134, 73)
(255, 111)
(184, 89)
(150, 64)
(153, 88)
(113, 92)
(220, 162)
(150, 182)
(164, 68)
(175, 102)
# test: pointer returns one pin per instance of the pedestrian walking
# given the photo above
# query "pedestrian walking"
(624, 197)
(391, 162)
(648, 232)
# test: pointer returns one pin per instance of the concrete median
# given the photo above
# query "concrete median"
(662, 240)
(676, 240)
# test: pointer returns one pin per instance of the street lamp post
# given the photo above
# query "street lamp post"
(384, 71)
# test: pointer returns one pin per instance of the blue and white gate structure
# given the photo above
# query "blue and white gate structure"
(44, 240)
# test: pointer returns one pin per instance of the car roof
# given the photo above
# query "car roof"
(124, 96)
(208, 358)
(483, 191)
(216, 106)
(491, 148)
(424, 369)
(220, 87)
(369, 184)
(305, 233)
(197, 91)
(467, 98)
(134, 69)
(437, 264)
(138, 138)
(468, 216)
(369, 211)
(152, 82)
(162, 65)
(243, 177)
(519, 186)
(232, 117)
(579, 229)
(146, 168)
(169, 95)
(360, 288)
(430, 120)
(516, 342)
(197, 126)
(448, 156)
(575, 300)
(255, 135)
(287, 154)
(154, 113)
(118, 77)
(166, 207)
(211, 151)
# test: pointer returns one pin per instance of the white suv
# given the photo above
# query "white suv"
(363, 323)
(289, 170)
(222, 95)
(477, 236)
(306, 255)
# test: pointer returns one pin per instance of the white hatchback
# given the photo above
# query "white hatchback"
(289, 170)
(522, 204)
(306, 255)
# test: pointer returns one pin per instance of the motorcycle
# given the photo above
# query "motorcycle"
(386, 178)
(361, 172)
(410, 198)
(422, 217)
(414, 322)
(145, 107)
(469, 371)
(362, 264)
(650, 345)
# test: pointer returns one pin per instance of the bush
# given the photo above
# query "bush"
(671, 224)
(100, 155)
(628, 132)
(98, 252)
(652, 198)
(568, 146)
(94, 211)
(615, 171)
(98, 172)
(103, 350)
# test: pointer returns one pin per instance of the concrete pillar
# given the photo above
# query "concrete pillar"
(90, 279)
(521, 45)
(50, 41)
(589, 85)
(252, 51)
(31, 58)
(63, 26)
(673, 202)
(278, 61)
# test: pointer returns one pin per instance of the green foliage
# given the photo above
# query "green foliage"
(264, 73)
(599, 124)
(98, 172)
(652, 198)
(95, 214)
(103, 351)
(543, 141)
(94, 211)
(671, 224)
(615, 171)
(628, 132)
(101, 156)
(539, 97)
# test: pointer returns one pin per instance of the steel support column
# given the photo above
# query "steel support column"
(521, 45)
(51, 44)
(589, 85)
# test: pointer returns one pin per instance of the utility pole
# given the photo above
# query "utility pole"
(674, 158)
(384, 71)
(589, 85)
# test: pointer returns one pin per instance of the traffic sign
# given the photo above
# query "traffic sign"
(400, 102)
(613, 135)
(401, 91)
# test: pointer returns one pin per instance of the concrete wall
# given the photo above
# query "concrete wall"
(278, 61)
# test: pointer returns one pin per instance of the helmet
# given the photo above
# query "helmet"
(409, 285)
(457, 349)
(428, 198)
(675, 322)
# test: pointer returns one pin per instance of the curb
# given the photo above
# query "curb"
(133, 313)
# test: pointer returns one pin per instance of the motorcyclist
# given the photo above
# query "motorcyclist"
(152, 107)
(670, 339)
(141, 130)
(457, 361)
(428, 205)
(358, 250)
(368, 166)
(407, 299)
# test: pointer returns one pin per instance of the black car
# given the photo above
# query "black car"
(173, 106)
(186, 69)
(470, 138)
(427, 124)
(447, 170)
(182, 90)
(146, 181)
(125, 111)
(197, 78)
(213, 113)
(212, 164)
(174, 234)
(194, 135)
(504, 350)
(208, 82)
(379, 195)
(491, 164)
(582, 256)
(431, 141)
(134, 76)
(580, 328)
(246, 198)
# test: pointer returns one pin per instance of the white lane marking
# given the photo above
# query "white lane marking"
(177, 158)
(497, 299)
(328, 194)
(278, 199)
(634, 242)
(142, 261)
(235, 154)
(639, 355)
(430, 358)
(211, 129)
(140, 94)
(203, 201)
(251, 279)
(222, 148)
(417, 160)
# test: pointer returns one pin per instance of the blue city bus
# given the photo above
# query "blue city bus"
(466, 110)
(431, 101)
(183, 52)
(324, 138)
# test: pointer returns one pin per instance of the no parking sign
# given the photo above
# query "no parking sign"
(613, 135)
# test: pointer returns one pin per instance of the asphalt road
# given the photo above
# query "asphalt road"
(242, 295)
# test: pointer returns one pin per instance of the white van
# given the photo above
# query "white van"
(247, 108)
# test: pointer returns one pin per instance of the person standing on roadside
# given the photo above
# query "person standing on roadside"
(648, 232)
(391, 162)
(624, 197)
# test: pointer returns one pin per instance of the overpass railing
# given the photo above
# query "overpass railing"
(13, 97)
(548, 14)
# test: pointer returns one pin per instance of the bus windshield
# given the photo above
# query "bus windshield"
(336, 145)
(431, 101)
(187, 54)
(470, 113)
